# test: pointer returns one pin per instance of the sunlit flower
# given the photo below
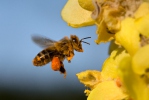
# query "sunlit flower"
(125, 73)
(87, 4)
(122, 77)
(112, 13)
(107, 14)
(75, 16)
(105, 85)
(134, 73)
(133, 30)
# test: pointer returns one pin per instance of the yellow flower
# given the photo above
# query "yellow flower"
(110, 65)
(105, 85)
(134, 73)
(87, 4)
(128, 36)
(122, 21)
(121, 75)
(132, 30)
(76, 16)
(140, 63)
(109, 14)
(102, 33)
(125, 74)
(107, 90)
(89, 78)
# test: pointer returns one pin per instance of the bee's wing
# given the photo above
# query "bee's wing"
(64, 39)
(63, 45)
(42, 41)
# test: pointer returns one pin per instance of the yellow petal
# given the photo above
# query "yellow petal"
(87, 4)
(128, 36)
(107, 90)
(134, 83)
(110, 66)
(75, 15)
(102, 32)
(142, 10)
(142, 25)
(89, 78)
(110, 16)
(113, 46)
(140, 61)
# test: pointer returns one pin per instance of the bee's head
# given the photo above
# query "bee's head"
(77, 43)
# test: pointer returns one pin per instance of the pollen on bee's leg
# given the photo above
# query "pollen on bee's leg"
(55, 64)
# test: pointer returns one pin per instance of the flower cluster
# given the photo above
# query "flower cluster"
(124, 23)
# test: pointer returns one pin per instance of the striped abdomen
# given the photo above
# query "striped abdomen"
(42, 58)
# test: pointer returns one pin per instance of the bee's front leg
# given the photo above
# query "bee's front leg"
(70, 56)
(69, 61)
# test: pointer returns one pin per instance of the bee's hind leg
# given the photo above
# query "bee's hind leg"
(62, 69)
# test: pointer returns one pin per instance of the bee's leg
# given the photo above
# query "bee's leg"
(69, 61)
(71, 54)
(68, 57)
(62, 69)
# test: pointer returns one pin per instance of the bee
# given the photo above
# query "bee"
(56, 51)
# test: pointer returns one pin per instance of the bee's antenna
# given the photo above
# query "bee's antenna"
(85, 42)
(85, 38)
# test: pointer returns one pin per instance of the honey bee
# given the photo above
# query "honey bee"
(56, 51)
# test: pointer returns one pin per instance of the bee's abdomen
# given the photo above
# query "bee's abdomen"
(42, 58)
